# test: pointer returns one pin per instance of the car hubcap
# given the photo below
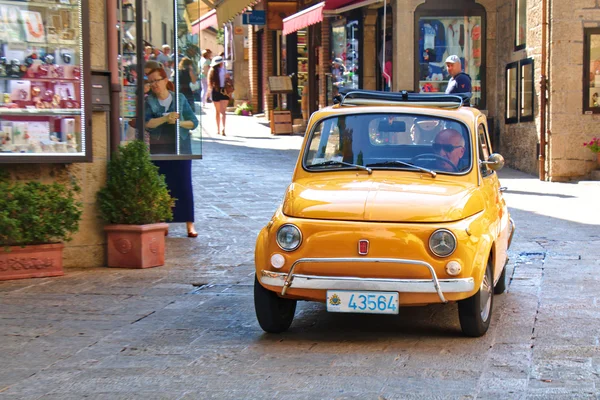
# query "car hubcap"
(485, 297)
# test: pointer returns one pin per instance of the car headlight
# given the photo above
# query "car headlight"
(289, 237)
(442, 243)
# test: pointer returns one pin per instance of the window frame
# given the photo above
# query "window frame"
(522, 92)
(587, 33)
(519, 5)
(518, 67)
(511, 120)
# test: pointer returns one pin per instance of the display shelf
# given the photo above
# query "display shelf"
(38, 111)
(39, 4)
(51, 80)
(30, 130)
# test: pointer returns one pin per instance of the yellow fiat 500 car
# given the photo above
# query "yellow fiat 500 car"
(394, 201)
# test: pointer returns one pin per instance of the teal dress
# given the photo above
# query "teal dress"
(178, 173)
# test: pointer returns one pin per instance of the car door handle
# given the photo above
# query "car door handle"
(503, 189)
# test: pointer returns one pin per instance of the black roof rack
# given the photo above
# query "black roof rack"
(362, 97)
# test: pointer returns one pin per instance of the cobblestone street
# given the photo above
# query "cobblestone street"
(187, 330)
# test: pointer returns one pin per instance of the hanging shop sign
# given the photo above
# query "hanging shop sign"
(254, 17)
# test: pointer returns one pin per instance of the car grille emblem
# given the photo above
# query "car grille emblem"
(363, 247)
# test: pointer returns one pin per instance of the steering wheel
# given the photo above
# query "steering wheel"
(437, 157)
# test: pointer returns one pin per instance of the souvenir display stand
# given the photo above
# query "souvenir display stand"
(43, 105)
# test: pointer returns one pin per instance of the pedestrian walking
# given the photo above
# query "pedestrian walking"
(216, 81)
(187, 80)
(203, 67)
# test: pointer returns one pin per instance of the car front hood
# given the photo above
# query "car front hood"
(382, 200)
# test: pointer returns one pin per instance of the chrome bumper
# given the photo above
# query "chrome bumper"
(300, 281)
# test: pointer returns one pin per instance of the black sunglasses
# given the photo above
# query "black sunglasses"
(448, 148)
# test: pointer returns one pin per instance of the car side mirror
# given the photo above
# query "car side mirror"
(495, 161)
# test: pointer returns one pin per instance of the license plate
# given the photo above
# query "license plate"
(362, 302)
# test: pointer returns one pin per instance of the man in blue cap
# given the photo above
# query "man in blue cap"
(459, 81)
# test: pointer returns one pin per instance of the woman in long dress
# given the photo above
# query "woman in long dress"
(161, 121)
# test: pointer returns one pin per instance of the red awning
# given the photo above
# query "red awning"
(207, 20)
(310, 16)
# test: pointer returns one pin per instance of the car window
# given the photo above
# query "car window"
(484, 152)
(379, 140)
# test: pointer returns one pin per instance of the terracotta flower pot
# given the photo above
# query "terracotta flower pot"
(136, 246)
(33, 261)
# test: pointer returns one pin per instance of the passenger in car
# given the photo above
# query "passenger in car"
(449, 144)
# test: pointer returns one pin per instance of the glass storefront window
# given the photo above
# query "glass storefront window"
(303, 87)
(440, 37)
(42, 71)
(171, 119)
(345, 53)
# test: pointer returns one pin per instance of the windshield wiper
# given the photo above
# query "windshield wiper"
(404, 164)
(333, 162)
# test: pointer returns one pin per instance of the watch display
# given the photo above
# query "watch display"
(41, 85)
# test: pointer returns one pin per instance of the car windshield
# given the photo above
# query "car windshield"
(389, 141)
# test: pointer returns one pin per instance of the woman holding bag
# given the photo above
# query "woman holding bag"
(161, 121)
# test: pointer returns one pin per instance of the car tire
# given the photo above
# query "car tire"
(274, 314)
(475, 313)
(501, 284)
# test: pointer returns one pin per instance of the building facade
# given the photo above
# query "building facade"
(514, 52)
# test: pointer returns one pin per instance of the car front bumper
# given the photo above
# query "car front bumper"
(301, 281)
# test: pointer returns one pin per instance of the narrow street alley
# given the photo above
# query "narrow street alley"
(187, 330)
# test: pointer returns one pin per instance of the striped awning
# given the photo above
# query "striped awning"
(314, 15)
(207, 20)
(229, 9)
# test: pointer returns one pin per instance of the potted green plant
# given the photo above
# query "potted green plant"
(35, 219)
(244, 109)
(135, 203)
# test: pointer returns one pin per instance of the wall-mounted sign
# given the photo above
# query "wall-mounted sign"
(255, 17)
(238, 30)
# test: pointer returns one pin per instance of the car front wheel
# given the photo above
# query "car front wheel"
(501, 284)
(274, 314)
(475, 312)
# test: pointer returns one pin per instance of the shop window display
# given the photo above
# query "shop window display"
(171, 138)
(345, 53)
(440, 37)
(42, 107)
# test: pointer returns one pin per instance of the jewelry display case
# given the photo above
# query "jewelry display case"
(43, 105)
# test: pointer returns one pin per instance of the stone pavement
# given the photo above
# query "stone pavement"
(187, 330)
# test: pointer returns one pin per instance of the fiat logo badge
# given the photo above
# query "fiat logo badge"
(363, 247)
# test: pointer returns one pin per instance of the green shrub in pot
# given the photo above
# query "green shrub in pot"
(135, 203)
(135, 193)
(33, 213)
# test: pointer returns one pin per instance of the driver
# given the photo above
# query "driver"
(450, 145)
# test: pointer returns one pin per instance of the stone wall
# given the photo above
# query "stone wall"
(568, 126)
(518, 141)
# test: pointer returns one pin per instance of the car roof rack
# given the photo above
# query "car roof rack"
(373, 97)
